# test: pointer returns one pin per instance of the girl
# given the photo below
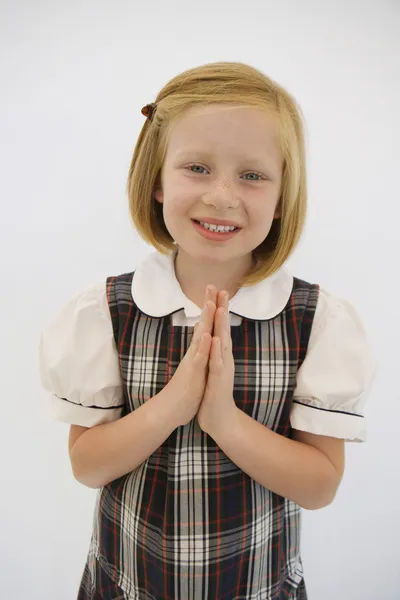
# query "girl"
(209, 392)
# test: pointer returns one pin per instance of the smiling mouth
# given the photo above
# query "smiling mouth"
(213, 235)
(216, 228)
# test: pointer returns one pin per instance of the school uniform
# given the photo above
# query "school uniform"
(187, 523)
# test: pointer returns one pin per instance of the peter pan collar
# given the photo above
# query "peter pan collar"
(157, 292)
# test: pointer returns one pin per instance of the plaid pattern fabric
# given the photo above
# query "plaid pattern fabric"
(188, 524)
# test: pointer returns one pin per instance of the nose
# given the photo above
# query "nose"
(221, 197)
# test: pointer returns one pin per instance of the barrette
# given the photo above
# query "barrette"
(149, 110)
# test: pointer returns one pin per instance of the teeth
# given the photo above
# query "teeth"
(220, 228)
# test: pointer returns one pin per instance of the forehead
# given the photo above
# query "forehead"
(236, 130)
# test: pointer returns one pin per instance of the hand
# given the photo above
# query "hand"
(218, 404)
(186, 387)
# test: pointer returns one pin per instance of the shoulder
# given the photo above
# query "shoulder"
(90, 295)
(336, 311)
(328, 306)
(79, 313)
(339, 339)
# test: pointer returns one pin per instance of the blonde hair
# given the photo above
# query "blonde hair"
(224, 83)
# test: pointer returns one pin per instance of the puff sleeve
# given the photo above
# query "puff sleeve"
(78, 362)
(335, 378)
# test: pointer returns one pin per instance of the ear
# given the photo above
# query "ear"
(159, 195)
(278, 211)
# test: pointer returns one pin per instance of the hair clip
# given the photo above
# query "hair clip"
(149, 110)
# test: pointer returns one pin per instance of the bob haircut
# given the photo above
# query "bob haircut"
(236, 84)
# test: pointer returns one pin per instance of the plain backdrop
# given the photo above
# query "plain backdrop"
(74, 77)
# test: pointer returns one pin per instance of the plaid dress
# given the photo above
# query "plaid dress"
(188, 524)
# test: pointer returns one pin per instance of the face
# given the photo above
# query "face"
(222, 163)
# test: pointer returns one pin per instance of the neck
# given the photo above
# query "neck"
(194, 275)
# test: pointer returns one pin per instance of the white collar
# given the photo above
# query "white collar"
(157, 292)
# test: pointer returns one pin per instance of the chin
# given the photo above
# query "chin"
(213, 255)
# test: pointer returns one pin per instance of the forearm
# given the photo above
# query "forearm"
(287, 467)
(108, 451)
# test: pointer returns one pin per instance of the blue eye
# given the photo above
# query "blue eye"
(249, 173)
(253, 173)
(196, 166)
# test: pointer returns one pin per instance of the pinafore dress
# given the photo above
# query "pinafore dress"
(188, 524)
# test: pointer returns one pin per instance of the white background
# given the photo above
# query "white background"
(74, 76)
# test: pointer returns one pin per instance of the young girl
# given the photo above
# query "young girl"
(209, 391)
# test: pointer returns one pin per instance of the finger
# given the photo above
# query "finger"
(227, 317)
(219, 323)
(228, 331)
(207, 316)
(202, 355)
(212, 293)
(197, 333)
(219, 301)
(216, 361)
(224, 331)
(223, 299)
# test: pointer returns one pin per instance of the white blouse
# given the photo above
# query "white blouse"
(79, 365)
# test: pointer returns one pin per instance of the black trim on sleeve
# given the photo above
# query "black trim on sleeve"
(99, 407)
(342, 412)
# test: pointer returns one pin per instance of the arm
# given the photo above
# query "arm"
(105, 452)
(110, 450)
(307, 469)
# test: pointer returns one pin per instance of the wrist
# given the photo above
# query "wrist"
(226, 426)
(163, 411)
